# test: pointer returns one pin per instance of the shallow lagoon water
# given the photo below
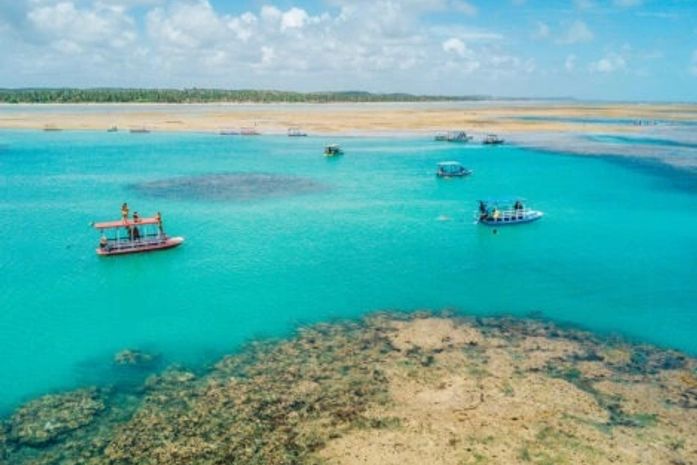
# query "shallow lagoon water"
(616, 251)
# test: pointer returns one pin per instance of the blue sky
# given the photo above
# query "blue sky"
(592, 49)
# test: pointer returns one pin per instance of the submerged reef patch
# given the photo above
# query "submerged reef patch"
(391, 389)
(229, 187)
(47, 418)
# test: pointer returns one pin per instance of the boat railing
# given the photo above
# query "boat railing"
(126, 243)
(507, 215)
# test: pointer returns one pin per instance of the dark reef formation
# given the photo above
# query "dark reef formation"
(229, 187)
(392, 388)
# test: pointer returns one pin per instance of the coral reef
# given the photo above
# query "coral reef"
(48, 418)
(229, 186)
(391, 389)
(134, 357)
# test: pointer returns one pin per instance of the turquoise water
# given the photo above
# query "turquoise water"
(616, 251)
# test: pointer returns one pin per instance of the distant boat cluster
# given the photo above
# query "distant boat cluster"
(463, 137)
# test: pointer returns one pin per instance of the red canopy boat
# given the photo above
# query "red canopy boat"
(133, 236)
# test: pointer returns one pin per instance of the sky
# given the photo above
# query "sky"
(638, 50)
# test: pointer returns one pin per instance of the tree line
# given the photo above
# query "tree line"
(195, 95)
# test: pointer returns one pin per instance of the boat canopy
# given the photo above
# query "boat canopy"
(449, 163)
(499, 200)
(127, 223)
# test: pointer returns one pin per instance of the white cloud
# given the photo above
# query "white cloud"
(610, 63)
(463, 7)
(541, 31)
(577, 32)
(70, 29)
(570, 62)
(295, 18)
(456, 46)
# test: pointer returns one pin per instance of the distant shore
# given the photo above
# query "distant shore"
(346, 118)
(548, 125)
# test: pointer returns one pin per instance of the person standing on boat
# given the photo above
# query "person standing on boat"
(483, 213)
(161, 228)
(124, 211)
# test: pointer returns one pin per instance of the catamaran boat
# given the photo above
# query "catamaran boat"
(492, 139)
(503, 212)
(133, 236)
(113, 129)
(452, 169)
(296, 132)
(333, 150)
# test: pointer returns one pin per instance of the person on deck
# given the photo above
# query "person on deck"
(161, 228)
(124, 211)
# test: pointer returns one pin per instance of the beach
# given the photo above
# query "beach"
(546, 125)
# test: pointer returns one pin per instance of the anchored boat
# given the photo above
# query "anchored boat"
(452, 169)
(333, 150)
(133, 236)
(503, 212)
(492, 139)
(453, 136)
(296, 132)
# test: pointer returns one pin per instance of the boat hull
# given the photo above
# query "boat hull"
(527, 218)
(454, 175)
(169, 243)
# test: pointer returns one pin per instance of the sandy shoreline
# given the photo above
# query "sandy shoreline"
(550, 126)
(338, 118)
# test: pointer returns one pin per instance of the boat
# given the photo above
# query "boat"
(249, 131)
(453, 136)
(113, 129)
(51, 128)
(504, 212)
(229, 132)
(140, 130)
(136, 235)
(296, 132)
(458, 136)
(452, 169)
(333, 150)
(492, 139)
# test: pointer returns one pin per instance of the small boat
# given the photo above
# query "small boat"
(333, 150)
(504, 212)
(51, 128)
(296, 132)
(126, 236)
(453, 136)
(113, 129)
(452, 169)
(141, 130)
(229, 132)
(249, 131)
(458, 136)
(492, 139)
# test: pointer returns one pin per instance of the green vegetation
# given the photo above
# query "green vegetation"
(195, 95)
